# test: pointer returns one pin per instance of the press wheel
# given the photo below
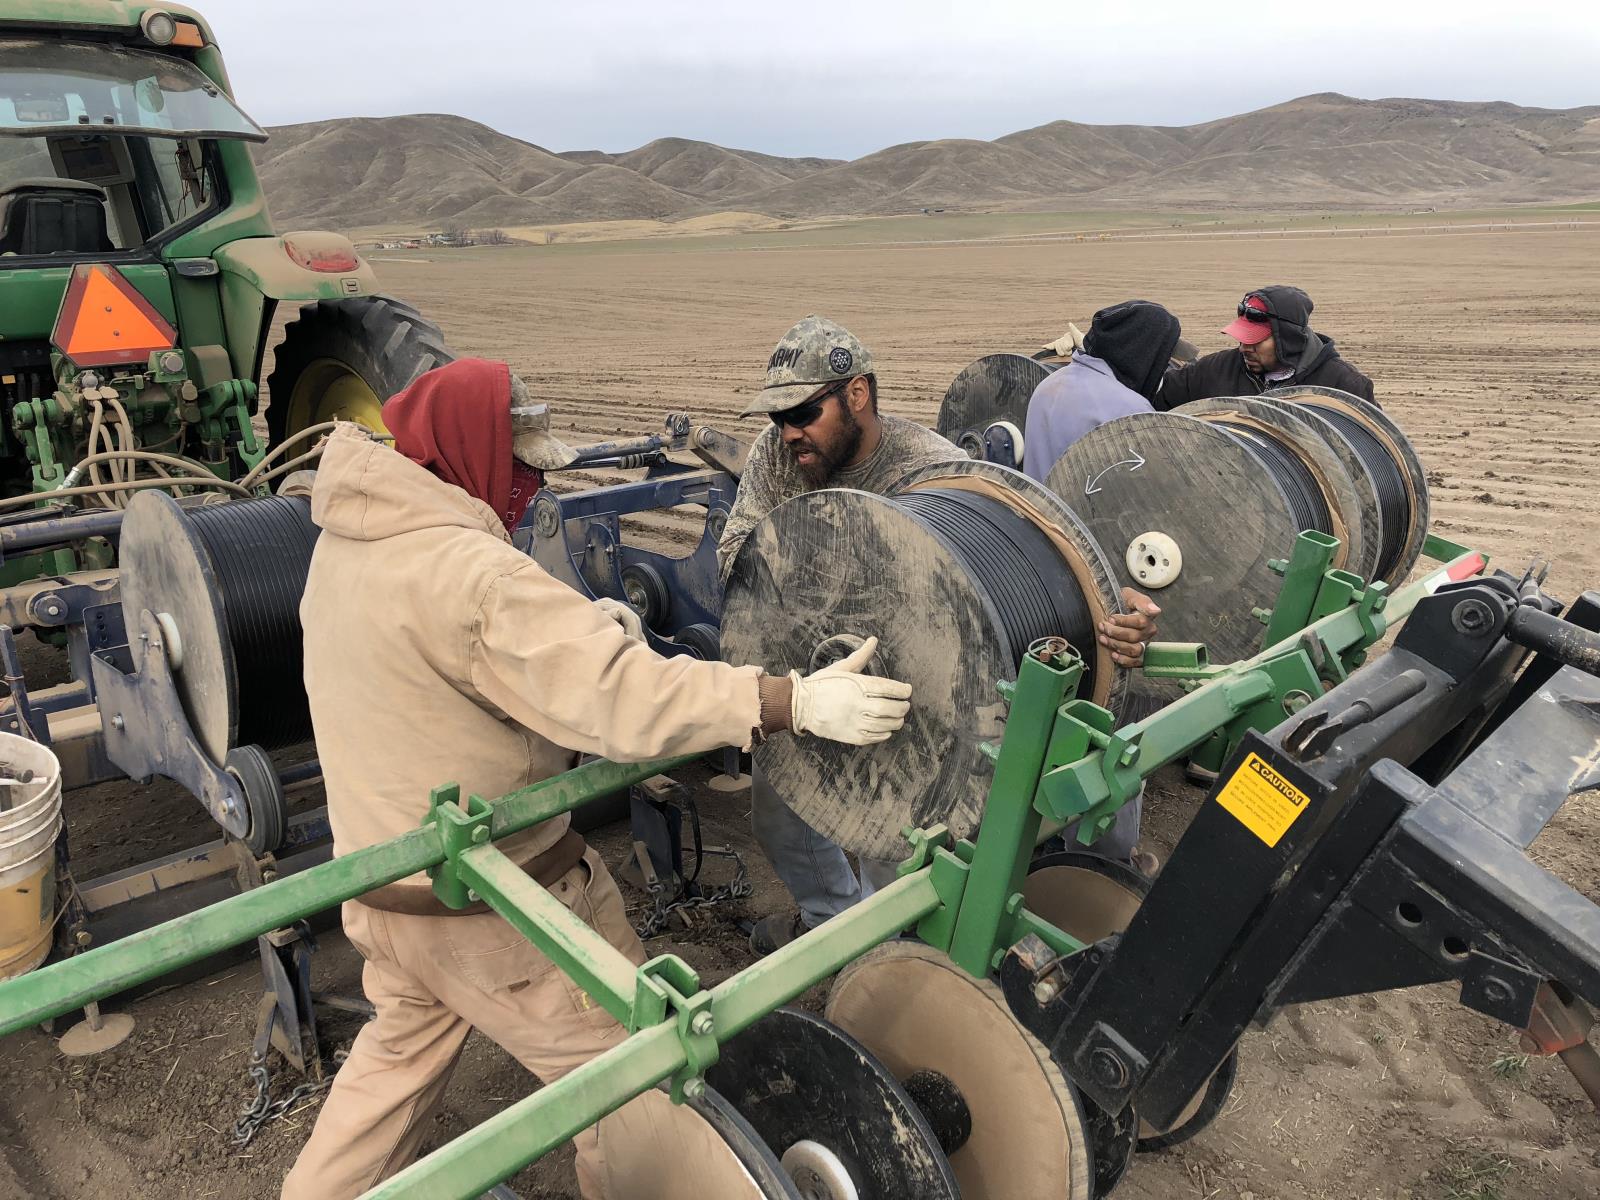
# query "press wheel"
(916, 1011)
(1090, 898)
(263, 798)
(652, 1149)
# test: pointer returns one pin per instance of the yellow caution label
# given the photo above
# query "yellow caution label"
(1262, 800)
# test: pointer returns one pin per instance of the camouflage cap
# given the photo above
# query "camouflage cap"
(813, 354)
(531, 440)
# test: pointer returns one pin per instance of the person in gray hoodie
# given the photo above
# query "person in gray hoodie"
(1118, 372)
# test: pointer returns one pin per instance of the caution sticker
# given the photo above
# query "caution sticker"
(1264, 801)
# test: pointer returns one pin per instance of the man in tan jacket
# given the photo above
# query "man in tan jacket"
(436, 652)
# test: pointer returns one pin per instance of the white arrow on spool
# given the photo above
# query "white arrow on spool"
(1090, 486)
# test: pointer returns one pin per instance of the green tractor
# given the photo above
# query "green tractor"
(139, 276)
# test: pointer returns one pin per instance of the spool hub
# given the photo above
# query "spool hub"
(832, 566)
(916, 1011)
(1154, 559)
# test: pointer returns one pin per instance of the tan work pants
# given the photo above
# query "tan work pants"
(432, 980)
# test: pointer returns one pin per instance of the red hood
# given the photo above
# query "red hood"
(455, 420)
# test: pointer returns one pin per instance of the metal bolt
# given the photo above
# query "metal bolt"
(702, 1024)
(1497, 991)
(1472, 616)
(716, 523)
(480, 834)
(1108, 1067)
(1045, 991)
(83, 937)
(117, 722)
(694, 1088)
(472, 896)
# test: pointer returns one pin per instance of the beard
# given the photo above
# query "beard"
(829, 456)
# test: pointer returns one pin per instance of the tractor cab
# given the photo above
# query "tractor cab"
(140, 274)
(107, 150)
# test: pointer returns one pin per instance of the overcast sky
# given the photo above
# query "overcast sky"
(844, 79)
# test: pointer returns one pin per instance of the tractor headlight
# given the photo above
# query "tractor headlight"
(158, 28)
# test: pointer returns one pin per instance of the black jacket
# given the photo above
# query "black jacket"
(1315, 360)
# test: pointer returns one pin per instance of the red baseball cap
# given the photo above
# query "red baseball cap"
(1249, 330)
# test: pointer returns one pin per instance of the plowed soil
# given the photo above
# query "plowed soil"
(1482, 347)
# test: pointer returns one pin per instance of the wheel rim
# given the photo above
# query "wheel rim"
(329, 390)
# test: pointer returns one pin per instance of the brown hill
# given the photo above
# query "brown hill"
(1322, 151)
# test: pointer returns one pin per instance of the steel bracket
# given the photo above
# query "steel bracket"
(147, 733)
(459, 829)
(669, 986)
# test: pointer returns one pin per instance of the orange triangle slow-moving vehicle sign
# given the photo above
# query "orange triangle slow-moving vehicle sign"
(104, 320)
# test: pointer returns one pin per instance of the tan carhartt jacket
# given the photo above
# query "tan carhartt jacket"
(436, 652)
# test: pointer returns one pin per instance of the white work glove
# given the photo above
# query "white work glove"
(843, 705)
(624, 615)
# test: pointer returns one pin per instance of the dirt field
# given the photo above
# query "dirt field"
(1481, 346)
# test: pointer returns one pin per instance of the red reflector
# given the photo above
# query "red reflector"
(1467, 568)
(332, 260)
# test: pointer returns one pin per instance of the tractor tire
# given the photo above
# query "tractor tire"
(344, 359)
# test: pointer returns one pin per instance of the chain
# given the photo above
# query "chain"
(262, 1109)
(661, 909)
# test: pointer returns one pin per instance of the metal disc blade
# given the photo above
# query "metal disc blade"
(915, 1010)
(801, 1082)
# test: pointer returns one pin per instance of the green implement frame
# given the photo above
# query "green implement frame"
(1060, 760)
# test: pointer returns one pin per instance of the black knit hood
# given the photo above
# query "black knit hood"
(1135, 339)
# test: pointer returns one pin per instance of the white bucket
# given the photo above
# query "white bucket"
(28, 832)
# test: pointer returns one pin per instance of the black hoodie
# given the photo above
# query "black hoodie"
(1312, 356)
(1135, 339)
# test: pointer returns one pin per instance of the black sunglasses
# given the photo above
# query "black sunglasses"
(1262, 316)
(802, 415)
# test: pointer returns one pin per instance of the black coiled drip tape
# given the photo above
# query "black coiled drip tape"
(1016, 565)
(1394, 501)
(1306, 500)
(261, 552)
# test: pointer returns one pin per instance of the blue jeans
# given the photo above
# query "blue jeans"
(814, 869)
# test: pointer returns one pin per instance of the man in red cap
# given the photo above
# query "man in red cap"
(437, 652)
(1276, 349)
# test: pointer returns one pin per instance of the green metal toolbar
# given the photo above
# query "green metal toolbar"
(1061, 759)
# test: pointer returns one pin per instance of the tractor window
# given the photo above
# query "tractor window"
(87, 194)
(80, 87)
